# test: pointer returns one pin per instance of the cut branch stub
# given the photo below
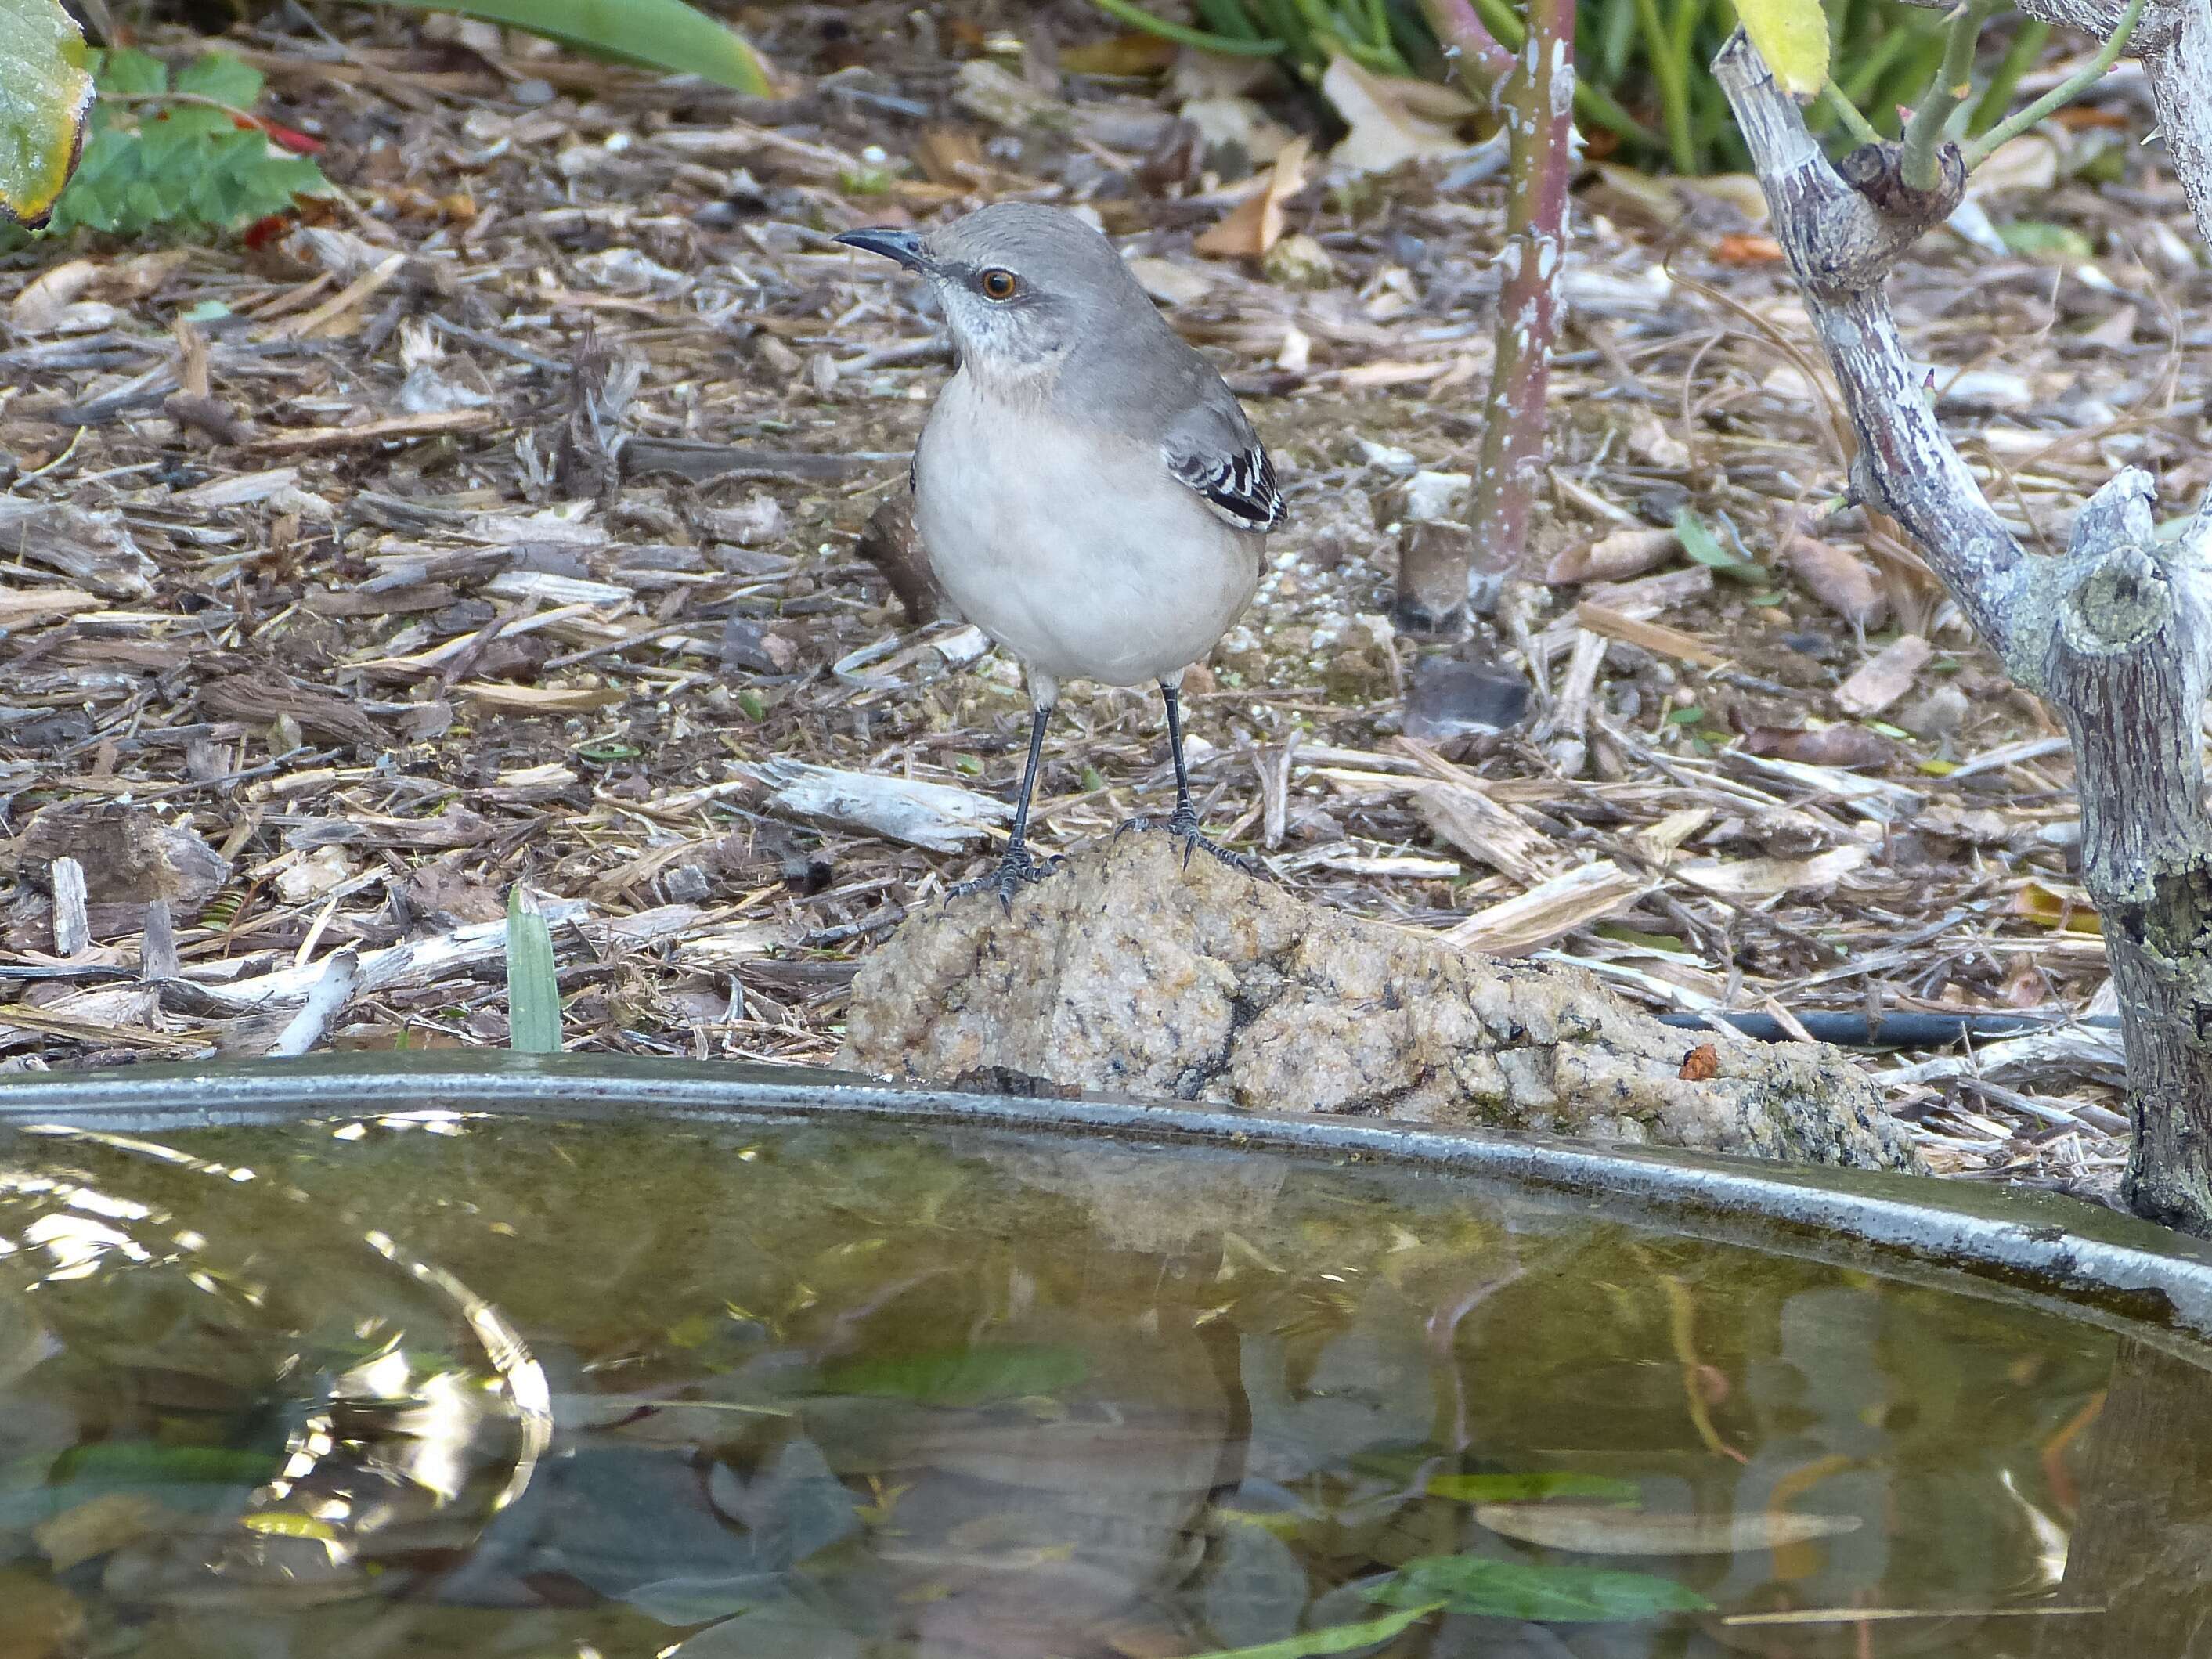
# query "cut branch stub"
(1876, 172)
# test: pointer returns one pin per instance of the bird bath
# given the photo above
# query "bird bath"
(472, 1355)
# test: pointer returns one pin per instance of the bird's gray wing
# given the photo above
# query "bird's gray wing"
(1214, 451)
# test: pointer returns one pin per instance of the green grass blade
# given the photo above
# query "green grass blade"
(1183, 34)
(662, 34)
(533, 986)
(1331, 1639)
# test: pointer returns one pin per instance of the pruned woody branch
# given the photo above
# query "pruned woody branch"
(2115, 633)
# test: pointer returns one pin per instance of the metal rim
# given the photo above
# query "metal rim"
(2118, 1271)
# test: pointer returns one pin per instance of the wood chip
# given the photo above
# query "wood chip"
(296, 439)
(1588, 893)
(1652, 636)
(1485, 831)
(541, 699)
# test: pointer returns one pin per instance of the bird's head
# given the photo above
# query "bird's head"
(1021, 284)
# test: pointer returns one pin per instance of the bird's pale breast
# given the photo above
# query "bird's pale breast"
(1130, 577)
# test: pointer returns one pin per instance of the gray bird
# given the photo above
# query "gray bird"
(1088, 491)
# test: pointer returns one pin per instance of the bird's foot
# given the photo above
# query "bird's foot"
(1016, 870)
(1182, 823)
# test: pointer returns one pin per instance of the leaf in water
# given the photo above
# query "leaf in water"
(958, 1376)
(695, 1600)
(1332, 1638)
(664, 34)
(1525, 1590)
(150, 1462)
(1792, 36)
(1518, 1488)
(1593, 1529)
(45, 93)
(790, 1629)
(23, 1340)
(1255, 1587)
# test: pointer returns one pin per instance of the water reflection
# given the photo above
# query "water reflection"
(541, 1390)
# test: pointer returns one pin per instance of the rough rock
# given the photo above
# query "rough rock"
(1128, 972)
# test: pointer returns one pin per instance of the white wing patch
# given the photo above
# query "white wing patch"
(1239, 488)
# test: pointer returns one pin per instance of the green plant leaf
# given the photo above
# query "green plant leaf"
(959, 1377)
(1332, 1638)
(130, 73)
(1484, 1585)
(1520, 1488)
(533, 986)
(46, 96)
(663, 34)
(1701, 545)
(1792, 36)
(225, 79)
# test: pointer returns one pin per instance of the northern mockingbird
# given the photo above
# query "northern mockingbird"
(1088, 491)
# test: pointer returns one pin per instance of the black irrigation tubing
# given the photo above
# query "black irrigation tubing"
(1899, 1031)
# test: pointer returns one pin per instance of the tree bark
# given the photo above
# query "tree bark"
(1442, 578)
(2115, 632)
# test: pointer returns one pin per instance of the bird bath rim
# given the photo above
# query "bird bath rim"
(2057, 1252)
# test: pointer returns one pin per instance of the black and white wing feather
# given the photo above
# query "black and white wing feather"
(1222, 460)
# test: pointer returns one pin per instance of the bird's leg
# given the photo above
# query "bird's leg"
(1182, 823)
(1017, 865)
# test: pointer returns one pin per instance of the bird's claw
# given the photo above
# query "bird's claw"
(1182, 823)
(1015, 871)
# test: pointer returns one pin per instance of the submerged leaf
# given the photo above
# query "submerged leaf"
(1595, 1529)
(1512, 1488)
(1333, 1638)
(45, 93)
(959, 1377)
(1481, 1585)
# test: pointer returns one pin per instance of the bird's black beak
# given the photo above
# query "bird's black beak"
(903, 245)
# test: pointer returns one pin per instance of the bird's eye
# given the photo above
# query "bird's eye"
(999, 284)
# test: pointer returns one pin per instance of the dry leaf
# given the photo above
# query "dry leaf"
(1257, 223)
(1841, 580)
(1757, 879)
(1133, 53)
(1386, 129)
(2068, 909)
(952, 156)
(1610, 558)
(1608, 1530)
(45, 301)
(1831, 746)
(1740, 249)
(2029, 162)
(1886, 677)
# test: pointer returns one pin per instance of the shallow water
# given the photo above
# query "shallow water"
(434, 1386)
